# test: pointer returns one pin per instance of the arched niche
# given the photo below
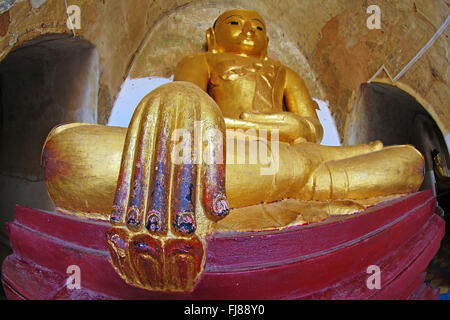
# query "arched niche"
(387, 113)
(182, 31)
(47, 81)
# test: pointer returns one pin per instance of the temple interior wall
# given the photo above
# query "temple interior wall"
(46, 82)
(389, 114)
(384, 112)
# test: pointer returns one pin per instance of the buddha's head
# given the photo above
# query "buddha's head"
(239, 31)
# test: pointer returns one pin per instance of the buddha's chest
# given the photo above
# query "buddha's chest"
(256, 85)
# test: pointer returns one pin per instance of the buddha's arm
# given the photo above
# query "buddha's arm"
(298, 101)
(193, 68)
(288, 125)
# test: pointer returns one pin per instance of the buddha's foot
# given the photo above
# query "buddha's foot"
(391, 170)
(166, 205)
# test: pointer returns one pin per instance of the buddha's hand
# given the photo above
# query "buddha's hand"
(171, 189)
(291, 127)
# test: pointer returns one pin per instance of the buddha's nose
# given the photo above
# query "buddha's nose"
(248, 29)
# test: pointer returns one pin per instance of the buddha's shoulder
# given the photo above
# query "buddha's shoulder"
(194, 57)
(213, 59)
(275, 63)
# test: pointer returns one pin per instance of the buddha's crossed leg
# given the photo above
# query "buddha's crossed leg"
(165, 205)
(387, 171)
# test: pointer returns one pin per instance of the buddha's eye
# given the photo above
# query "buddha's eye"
(259, 28)
(233, 22)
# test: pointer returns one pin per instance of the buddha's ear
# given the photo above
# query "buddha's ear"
(264, 53)
(211, 40)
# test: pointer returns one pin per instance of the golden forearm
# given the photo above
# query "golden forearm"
(299, 101)
(291, 127)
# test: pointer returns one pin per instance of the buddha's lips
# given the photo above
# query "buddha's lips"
(248, 42)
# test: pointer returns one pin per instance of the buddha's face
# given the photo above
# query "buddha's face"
(241, 31)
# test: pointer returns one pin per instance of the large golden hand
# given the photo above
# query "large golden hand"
(168, 198)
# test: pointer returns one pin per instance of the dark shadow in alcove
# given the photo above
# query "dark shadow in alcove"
(47, 81)
(387, 113)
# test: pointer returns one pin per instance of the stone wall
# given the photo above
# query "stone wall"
(50, 80)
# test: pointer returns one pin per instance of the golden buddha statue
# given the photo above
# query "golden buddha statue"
(162, 210)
